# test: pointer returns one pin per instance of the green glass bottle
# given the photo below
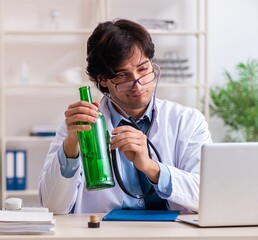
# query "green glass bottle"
(94, 147)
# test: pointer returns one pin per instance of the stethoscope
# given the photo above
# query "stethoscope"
(135, 125)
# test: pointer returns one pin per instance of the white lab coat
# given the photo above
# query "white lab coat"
(178, 133)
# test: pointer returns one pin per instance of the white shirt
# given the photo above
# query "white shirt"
(178, 133)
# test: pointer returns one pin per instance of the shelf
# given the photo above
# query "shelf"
(75, 85)
(22, 193)
(28, 139)
(176, 32)
(45, 85)
(83, 31)
(180, 85)
(18, 32)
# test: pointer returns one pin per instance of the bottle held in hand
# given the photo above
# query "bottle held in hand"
(94, 149)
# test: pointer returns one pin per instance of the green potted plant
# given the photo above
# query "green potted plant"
(236, 103)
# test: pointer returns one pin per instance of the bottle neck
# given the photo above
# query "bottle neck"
(85, 94)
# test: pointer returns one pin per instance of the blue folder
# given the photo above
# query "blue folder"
(141, 215)
(20, 169)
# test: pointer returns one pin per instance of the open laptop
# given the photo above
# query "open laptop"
(228, 186)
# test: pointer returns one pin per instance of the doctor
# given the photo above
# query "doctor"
(120, 62)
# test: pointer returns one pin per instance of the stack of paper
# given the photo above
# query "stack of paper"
(18, 222)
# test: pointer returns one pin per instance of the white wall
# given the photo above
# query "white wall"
(233, 38)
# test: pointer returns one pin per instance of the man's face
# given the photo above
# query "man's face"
(135, 100)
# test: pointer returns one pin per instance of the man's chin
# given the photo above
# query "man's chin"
(137, 105)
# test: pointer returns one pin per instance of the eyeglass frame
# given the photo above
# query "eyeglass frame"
(138, 80)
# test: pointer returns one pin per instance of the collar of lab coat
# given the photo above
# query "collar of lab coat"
(105, 110)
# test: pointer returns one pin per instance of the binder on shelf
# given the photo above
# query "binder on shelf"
(20, 176)
(10, 169)
(15, 169)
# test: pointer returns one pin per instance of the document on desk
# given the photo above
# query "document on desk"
(141, 215)
(19, 222)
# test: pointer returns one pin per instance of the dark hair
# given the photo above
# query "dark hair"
(111, 43)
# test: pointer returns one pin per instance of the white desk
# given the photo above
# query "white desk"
(75, 227)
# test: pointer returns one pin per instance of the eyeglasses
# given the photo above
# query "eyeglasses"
(143, 80)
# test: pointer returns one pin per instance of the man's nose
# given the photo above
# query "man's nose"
(135, 76)
(137, 86)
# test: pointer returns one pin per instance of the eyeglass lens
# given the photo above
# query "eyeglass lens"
(142, 81)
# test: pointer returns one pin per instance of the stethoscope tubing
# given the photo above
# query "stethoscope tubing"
(149, 143)
(116, 169)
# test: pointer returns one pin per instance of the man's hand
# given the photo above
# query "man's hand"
(78, 112)
(133, 143)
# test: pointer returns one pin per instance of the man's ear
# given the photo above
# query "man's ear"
(103, 82)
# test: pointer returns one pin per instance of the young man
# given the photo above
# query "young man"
(120, 55)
